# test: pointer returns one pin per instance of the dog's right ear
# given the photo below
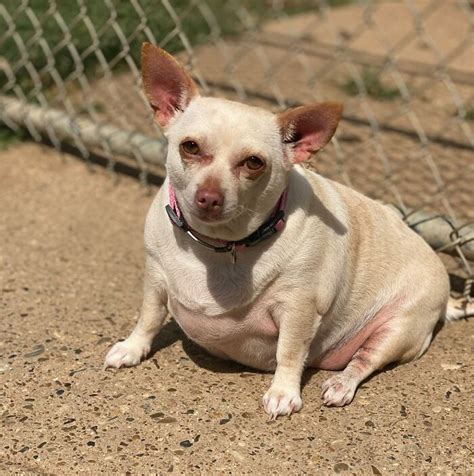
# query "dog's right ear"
(168, 87)
(309, 128)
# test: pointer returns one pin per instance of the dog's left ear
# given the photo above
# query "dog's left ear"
(309, 128)
(168, 86)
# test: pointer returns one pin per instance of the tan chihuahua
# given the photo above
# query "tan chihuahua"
(264, 262)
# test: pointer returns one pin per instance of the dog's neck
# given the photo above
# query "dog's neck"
(269, 227)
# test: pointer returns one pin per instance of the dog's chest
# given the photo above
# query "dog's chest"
(209, 283)
(247, 335)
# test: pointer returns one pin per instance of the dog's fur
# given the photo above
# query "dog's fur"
(344, 286)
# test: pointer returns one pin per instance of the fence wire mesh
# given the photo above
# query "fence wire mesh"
(69, 73)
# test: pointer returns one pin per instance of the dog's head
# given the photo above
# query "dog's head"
(228, 162)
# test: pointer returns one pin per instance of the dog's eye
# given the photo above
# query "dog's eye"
(190, 147)
(254, 163)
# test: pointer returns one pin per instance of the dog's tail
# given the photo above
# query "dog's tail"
(459, 309)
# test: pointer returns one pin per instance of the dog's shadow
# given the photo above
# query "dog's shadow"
(172, 333)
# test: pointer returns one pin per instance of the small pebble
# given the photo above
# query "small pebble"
(451, 366)
(185, 444)
(223, 421)
(246, 375)
(167, 420)
(238, 456)
(37, 350)
(340, 467)
(102, 340)
(157, 415)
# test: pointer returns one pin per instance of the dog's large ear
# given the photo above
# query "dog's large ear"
(168, 87)
(309, 128)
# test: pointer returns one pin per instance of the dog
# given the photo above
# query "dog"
(264, 262)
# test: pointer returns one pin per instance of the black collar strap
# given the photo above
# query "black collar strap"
(263, 232)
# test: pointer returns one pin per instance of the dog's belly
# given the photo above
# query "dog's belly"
(248, 336)
(373, 330)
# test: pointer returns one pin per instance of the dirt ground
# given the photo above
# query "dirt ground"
(71, 263)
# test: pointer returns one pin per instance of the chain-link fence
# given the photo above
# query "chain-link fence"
(69, 74)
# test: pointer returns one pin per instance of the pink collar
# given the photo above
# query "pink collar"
(275, 223)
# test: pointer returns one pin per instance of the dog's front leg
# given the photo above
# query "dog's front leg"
(298, 326)
(136, 347)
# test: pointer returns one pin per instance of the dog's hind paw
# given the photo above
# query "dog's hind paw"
(126, 354)
(338, 390)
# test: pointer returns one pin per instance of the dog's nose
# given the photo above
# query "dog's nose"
(209, 200)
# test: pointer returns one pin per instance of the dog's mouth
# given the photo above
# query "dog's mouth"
(211, 218)
(208, 218)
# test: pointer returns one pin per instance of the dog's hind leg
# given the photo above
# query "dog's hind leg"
(401, 339)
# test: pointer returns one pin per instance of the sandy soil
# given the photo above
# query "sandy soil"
(71, 261)
(419, 30)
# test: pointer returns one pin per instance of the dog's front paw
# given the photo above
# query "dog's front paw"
(338, 390)
(128, 353)
(280, 401)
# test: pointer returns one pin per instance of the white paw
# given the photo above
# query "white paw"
(128, 353)
(338, 390)
(279, 401)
